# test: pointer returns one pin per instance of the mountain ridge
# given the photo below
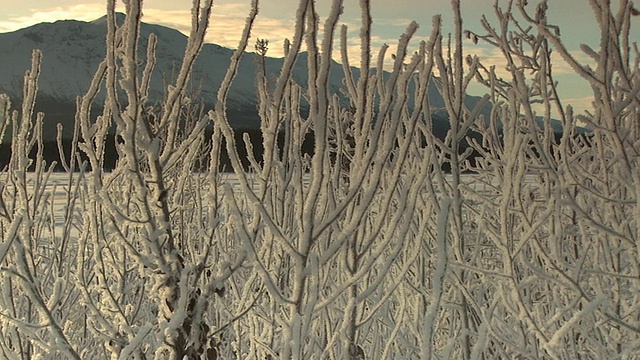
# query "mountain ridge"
(73, 49)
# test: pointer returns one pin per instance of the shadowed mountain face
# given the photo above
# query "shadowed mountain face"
(72, 51)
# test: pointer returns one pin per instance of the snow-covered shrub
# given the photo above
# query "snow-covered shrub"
(364, 248)
(558, 211)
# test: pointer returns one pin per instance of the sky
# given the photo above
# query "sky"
(390, 18)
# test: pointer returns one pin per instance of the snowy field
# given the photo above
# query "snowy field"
(57, 189)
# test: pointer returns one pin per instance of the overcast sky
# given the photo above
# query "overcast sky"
(276, 21)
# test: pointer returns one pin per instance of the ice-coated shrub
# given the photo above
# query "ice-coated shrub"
(365, 248)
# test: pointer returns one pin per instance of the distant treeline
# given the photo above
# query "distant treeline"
(51, 152)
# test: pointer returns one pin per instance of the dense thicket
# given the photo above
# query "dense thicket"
(354, 245)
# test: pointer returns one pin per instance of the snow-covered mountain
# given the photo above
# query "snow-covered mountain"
(72, 51)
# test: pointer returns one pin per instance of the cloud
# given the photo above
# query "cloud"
(396, 22)
(227, 29)
(226, 25)
(227, 21)
(85, 12)
(580, 104)
(561, 67)
(493, 56)
(572, 89)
